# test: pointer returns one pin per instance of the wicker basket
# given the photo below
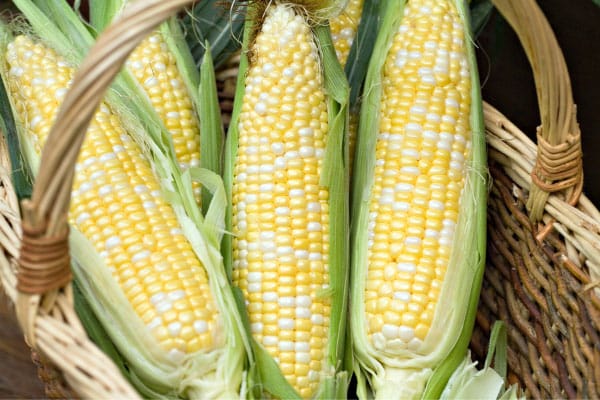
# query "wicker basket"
(543, 259)
(543, 234)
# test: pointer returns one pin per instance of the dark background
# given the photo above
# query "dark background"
(508, 85)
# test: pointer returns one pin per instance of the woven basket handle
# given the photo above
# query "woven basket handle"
(559, 167)
(44, 302)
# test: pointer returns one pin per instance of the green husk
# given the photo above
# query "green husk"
(489, 383)
(266, 373)
(216, 373)
(403, 373)
(211, 21)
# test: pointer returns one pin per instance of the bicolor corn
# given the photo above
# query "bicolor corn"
(285, 211)
(419, 201)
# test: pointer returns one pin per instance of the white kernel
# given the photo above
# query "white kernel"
(431, 233)
(256, 327)
(175, 83)
(456, 165)
(302, 346)
(436, 205)
(254, 287)
(84, 187)
(260, 108)
(386, 199)
(59, 94)
(270, 340)
(444, 145)
(301, 254)
(406, 333)
(451, 103)
(286, 323)
(35, 121)
(297, 193)
(433, 117)
(390, 331)
(200, 326)
(307, 151)
(457, 156)
(419, 110)
(401, 206)
(314, 227)
(280, 163)
(140, 189)
(267, 246)
(267, 68)
(107, 156)
(402, 296)
(270, 297)
(284, 251)
(414, 127)
(81, 218)
(155, 323)
(384, 136)
(303, 312)
(140, 255)
(158, 298)
(314, 206)
(412, 241)
(176, 231)
(415, 55)
(266, 187)
(306, 132)
(151, 82)
(242, 177)
(414, 344)
(176, 356)
(278, 148)
(431, 135)
(149, 205)
(112, 242)
(173, 115)
(430, 45)
(176, 295)
(254, 277)
(406, 267)
(251, 198)
(289, 72)
(303, 358)
(429, 79)
(445, 241)
(118, 148)
(317, 319)
(282, 211)
(292, 155)
(410, 170)
(163, 307)
(303, 301)
(174, 328)
(286, 345)
(404, 187)
(287, 301)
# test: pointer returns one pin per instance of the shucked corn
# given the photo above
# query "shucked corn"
(418, 241)
(280, 212)
(155, 68)
(424, 139)
(118, 205)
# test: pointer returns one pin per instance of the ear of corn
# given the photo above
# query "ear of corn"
(286, 179)
(418, 237)
(146, 260)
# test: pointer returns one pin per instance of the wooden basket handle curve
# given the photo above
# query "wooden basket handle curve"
(559, 166)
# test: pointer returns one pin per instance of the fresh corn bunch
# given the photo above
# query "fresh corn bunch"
(419, 199)
(286, 179)
(147, 262)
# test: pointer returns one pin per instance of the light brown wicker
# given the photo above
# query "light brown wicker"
(543, 263)
(34, 261)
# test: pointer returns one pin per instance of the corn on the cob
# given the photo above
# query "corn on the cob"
(154, 66)
(139, 258)
(282, 220)
(343, 29)
(424, 200)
